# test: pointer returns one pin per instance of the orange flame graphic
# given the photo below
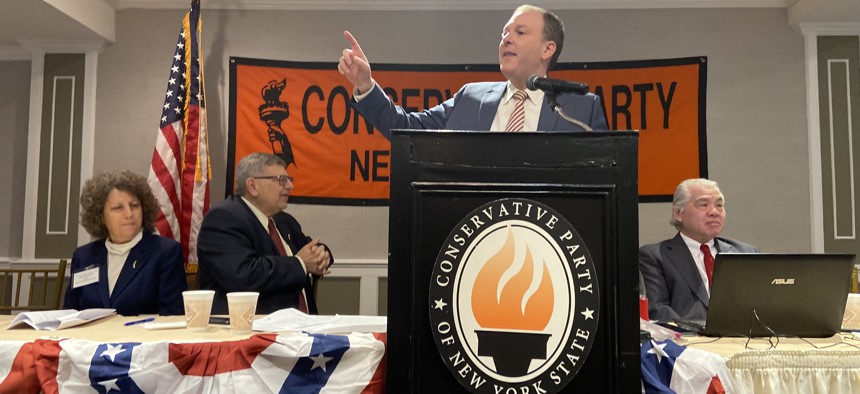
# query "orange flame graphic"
(511, 300)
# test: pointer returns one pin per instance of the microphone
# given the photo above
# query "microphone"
(555, 86)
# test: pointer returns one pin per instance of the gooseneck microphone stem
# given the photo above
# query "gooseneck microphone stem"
(555, 86)
(553, 103)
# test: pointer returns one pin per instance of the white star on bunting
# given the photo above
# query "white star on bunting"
(112, 351)
(319, 361)
(658, 351)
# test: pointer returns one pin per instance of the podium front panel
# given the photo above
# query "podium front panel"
(438, 178)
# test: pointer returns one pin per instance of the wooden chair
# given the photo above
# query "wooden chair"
(49, 301)
(192, 280)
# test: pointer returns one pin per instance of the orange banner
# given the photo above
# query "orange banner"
(301, 112)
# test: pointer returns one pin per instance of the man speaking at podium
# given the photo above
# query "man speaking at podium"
(531, 43)
(677, 272)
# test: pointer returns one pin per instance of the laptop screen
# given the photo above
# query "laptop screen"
(778, 294)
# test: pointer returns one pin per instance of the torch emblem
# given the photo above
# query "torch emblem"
(513, 299)
(273, 111)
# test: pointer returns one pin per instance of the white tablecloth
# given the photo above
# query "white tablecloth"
(816, 365)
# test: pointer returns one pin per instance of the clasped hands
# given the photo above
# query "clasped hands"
(316, 258)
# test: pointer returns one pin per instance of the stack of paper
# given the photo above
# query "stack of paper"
(58, 320)
(293, 320)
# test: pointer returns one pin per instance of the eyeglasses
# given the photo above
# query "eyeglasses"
(281, 179)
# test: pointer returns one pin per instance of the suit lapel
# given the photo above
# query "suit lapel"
(548, 119)
(263, 241)
(102, 286)
(679, 255)
(489, 106)
(133, 265)
(263, 233)
(286, 234)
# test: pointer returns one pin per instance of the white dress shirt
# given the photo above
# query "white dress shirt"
(699, 257)
(531, 105)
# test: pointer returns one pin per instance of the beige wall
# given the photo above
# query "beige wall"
(756, 100)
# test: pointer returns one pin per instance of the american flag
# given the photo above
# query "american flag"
(180, 170)
(669, 368)
(263, 363)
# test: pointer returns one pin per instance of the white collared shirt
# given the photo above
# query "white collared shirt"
(699, 257)
(264, 221)
(531, 106)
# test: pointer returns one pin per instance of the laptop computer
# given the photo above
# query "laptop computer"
(759, 294)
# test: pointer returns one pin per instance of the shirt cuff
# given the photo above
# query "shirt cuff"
(302, 263)
(358, 97)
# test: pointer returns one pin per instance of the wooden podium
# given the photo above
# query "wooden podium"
(438, 180)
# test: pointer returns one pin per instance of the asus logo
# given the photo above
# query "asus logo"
(780, 281)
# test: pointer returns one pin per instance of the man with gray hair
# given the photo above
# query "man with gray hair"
(249, 243)
(678, 271)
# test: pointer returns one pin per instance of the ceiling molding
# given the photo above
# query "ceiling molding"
(446, 5)
(830, 29)
(11, 53)
(96, 15)
(62, 46)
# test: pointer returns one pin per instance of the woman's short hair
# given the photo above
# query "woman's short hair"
(95, 193)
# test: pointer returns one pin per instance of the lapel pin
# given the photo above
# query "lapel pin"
(134, 265)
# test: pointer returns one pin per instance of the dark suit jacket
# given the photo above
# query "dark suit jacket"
(237, 254)
(674, 288)
(474, 108)
(154, 284)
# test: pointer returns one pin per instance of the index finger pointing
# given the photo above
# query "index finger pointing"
(354, 44)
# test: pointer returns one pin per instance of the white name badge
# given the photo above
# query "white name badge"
(85, 277)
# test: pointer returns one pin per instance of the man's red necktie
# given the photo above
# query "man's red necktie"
(276, 238)
(709, 263)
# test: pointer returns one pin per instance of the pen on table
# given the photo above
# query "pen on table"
(147, 320)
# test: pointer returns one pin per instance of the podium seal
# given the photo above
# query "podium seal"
(514, 299)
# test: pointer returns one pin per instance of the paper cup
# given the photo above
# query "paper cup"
(198, 306)
(242, 308)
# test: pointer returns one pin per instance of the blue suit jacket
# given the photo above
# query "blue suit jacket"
(151, 281)
(673, 285)
(474, 108)
(237, 254)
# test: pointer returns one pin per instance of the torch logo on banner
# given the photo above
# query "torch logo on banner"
(273, 111)
(514, 299)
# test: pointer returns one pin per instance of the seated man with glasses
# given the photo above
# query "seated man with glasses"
(248, 243)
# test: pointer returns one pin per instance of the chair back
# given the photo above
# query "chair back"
(193, 280)
(37, 300)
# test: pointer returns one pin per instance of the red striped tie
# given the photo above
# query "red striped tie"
(276, 238)
(518, 117)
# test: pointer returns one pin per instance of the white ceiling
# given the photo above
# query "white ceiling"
(22, 21)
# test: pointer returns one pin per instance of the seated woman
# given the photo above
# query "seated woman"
(128, 268)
